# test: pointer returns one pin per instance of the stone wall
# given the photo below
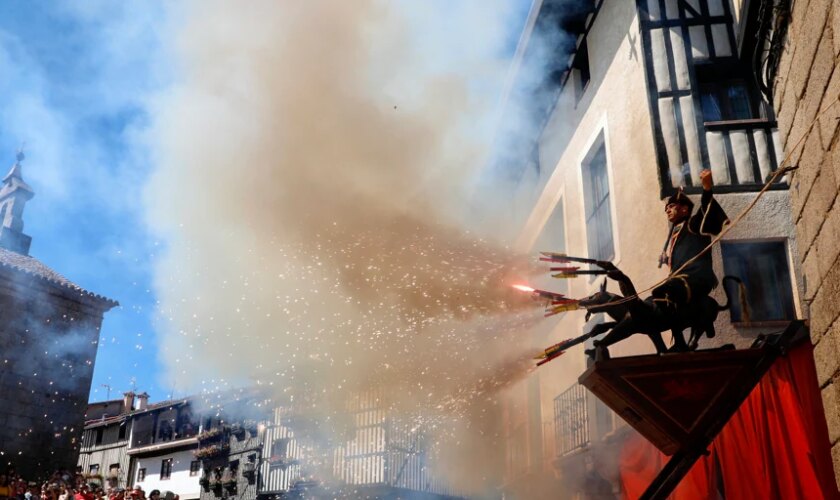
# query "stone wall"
(808, 86)
(245, 448)
(48, 344)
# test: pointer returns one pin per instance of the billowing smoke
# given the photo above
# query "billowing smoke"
(312, 164)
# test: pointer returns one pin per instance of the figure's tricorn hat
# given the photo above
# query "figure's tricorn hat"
(680, 198)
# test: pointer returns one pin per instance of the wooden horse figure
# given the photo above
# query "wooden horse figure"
(631, 315)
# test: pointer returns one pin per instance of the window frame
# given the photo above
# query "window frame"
(195, 468)
(719, 74)
(552, 237)
(166, 465)
(582, 71)
(784, 282)
(599, 141)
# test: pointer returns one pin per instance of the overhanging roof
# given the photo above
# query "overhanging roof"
(33, 267)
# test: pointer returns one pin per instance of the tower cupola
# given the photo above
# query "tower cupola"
(14, 193)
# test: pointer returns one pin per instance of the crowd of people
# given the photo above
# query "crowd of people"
(65, 485)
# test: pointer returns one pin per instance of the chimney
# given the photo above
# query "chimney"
(142, 401)
(128, 401)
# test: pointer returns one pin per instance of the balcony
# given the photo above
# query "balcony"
(742, 152)
(571, 420)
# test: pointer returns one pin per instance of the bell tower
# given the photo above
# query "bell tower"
(14, 193)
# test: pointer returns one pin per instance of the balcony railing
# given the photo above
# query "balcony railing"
(742, 152)
(571, 420)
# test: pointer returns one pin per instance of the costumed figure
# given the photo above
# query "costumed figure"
(683, 300)
(690, 235)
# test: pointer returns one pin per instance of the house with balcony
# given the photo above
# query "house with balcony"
(252, 448)
(103, 456)
(162, 445)
(616, 105)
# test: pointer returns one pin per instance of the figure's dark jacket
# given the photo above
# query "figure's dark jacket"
(693, 237)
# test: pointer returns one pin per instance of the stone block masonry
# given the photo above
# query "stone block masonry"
(808, 84)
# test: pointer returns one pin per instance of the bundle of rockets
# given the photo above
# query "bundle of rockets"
(557, 302)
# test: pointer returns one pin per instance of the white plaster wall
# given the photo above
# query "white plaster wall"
(180, 482)
(615, 103)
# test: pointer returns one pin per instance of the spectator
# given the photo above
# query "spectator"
(33, 492)
(118, 494)
(154, 495)
(6, 490)
(69, 492)
(19, 489)
(50, 492)
(84, 493)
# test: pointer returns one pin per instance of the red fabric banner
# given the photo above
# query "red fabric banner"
(775, 447)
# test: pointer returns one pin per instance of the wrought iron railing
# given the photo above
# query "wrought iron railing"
(571, 420)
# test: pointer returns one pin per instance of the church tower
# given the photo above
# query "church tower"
(49, 333)
(14, 194)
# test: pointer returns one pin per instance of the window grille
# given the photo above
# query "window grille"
(571, 420)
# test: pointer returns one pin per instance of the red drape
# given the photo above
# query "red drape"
(775, 447)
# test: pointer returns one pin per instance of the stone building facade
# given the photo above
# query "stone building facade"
(807, 88)
(231, 456)
(49, 332)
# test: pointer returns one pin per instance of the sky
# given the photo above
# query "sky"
(79, 85)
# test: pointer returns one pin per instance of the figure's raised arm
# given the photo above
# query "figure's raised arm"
(706, 179)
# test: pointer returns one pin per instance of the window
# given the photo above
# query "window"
(141, 475)
(724, 101)
(165, 432)
(99, 433)
(580, 65)
(142, 430)
(596, 199)
(763, 267)
(123, 427)
(195, 468)
(165, 468)
(726, 94)
(94, 469)
(553, 239)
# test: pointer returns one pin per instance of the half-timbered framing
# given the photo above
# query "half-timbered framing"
(689, 43)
